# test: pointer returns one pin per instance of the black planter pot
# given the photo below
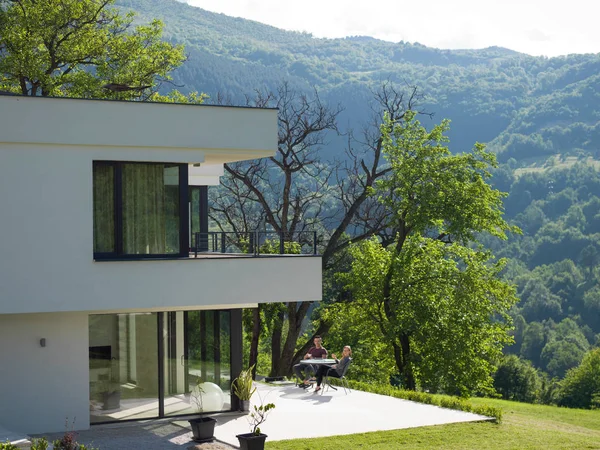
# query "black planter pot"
(203, 428)
(251, 441)
(111, 400)
(245, 405)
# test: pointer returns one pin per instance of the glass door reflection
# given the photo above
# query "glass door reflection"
(123, 359)
(197, 362)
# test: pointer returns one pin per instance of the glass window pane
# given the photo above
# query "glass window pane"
(104, 208)
(197, 362)
(150, 209)
(123, 367)
(194, 213)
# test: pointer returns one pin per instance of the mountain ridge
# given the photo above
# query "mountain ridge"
(522, 106)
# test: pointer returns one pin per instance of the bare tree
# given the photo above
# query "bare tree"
(286, 193)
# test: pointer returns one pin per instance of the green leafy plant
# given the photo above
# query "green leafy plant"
(8, 446)
(456, 403)
(259, 416)
(243, 386)
(39, 444)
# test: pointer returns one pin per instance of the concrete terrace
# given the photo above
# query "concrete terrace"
(335, 413)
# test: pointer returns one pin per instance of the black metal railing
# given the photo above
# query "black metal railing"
(256, 243)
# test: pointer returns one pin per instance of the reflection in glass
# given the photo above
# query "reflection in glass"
(197, 360)
(123, 367)
(124, 364)
(104, 208)
(150, 209)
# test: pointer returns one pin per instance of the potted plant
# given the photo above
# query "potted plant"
(203, 428)
(255, 440)
(111, 388)
(243, 387)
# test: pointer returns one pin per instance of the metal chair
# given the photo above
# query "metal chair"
(342, 378)
(310, 368)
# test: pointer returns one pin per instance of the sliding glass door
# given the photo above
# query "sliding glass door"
(123, 363)
(149, 365)
(197, 362)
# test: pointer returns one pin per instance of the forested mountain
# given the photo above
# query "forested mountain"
(541, 115)
(522, 105)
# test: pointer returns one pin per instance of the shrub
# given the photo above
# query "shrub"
(517, 380)
(8, 446)
(581, 386)
(429, 399)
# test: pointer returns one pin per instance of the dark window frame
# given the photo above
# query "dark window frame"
(184, 218)
(235, 362)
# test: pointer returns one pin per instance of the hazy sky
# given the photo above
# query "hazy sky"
(536, 27)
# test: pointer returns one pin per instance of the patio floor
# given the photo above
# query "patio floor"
(298, 414)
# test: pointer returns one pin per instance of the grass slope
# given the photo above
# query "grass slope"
(523, 426)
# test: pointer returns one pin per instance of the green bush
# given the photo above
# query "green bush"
(581, 386)
(517, 380)
(39, 444)
(8, 446)
(443, 401)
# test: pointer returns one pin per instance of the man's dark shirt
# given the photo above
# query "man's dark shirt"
(317, 352)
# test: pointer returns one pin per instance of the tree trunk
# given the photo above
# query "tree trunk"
(256, 328)
(295, 317)
(276, 342)
(402, 357)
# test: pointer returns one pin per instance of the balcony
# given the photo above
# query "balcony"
(253, 244)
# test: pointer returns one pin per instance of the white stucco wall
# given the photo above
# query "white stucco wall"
(41, 386)
(47, 249)
(222, 133)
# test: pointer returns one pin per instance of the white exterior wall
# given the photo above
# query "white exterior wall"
(41, 386)
(222, 133)
(47, 147)
(47, 246)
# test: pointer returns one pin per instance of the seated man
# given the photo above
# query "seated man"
(316, 352)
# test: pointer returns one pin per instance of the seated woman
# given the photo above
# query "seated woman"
(336, 370)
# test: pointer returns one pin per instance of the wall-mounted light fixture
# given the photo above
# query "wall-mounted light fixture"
(42, 342)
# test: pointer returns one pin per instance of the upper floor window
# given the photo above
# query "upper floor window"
(140, 209)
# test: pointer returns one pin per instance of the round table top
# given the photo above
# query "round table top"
(318, 361)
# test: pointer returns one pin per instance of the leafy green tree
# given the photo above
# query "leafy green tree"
(581, 386)
(517, 380)
(589, 258)
(534, 340)
(373, 361)
(532, 219)
(539, 302)
(438, 303)
(518, 333)
(591, 303)
(81, 48)
(565, 348)
(443, 300)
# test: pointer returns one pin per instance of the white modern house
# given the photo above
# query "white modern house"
(111, 304)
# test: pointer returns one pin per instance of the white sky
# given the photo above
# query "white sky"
(536, 27)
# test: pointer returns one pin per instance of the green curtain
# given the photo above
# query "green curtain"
(104, 208)
(144, 221)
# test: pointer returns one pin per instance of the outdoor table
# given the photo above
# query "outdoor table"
(318, 361)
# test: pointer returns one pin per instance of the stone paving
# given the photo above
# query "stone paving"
(333, 413)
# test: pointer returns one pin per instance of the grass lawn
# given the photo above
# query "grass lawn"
(523, 426)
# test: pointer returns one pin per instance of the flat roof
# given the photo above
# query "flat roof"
(212, 105)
